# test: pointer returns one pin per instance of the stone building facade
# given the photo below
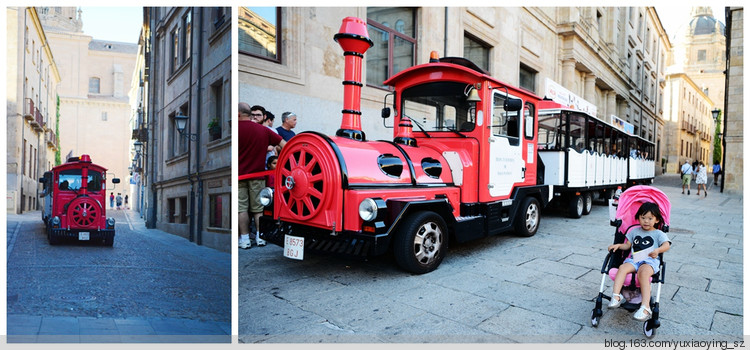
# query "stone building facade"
(614, 57)
(94, 108)
(689, 131)
(32, 80)
(186, 72)
(733, 149)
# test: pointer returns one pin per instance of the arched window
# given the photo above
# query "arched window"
(93, 85)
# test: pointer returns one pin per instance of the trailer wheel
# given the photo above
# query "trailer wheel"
(528, 218)
(575, 206)
(588, 203)
(420, 242)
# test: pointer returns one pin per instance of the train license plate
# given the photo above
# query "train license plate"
(83, 236)
(294, 247)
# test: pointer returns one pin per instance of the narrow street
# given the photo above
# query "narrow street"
(150, 286)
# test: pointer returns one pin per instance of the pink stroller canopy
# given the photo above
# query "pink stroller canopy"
(633, 197)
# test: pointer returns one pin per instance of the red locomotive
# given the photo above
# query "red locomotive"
(75, 202)
(469, 171)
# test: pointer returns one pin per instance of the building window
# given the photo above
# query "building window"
(182, 217)
(527, 78)
(187, 25)
(218, 215)
(477, 51)
(94, 85)
(395, 48)
(175, 52)
(172, 209)
(701, 55)
(217, 115)
(259, 32)
(218, 16)
(104, 116)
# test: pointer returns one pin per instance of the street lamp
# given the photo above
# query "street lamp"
(715, 113)
(138, 146)
(180, 121)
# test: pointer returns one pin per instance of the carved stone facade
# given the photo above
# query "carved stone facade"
(614, 57)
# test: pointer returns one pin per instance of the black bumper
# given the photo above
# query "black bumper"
(347, 243)
(94, 235)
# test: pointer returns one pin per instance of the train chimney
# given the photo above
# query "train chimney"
(353, 38)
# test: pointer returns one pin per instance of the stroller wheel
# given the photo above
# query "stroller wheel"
(648, 331)
(595, 321)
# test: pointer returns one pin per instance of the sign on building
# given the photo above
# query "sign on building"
(563, 96)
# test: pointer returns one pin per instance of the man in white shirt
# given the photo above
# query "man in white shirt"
(687, 175)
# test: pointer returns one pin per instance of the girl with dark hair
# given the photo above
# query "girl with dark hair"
(645, 243)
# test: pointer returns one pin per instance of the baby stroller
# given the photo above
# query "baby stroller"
(624, 220)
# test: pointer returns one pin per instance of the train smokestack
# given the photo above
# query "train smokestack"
(353, 38)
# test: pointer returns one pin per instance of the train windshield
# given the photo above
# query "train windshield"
(71, 180)
(440, 106)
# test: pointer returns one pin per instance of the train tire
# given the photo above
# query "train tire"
(421, 242)
(588, 203)
(529, 216)
(575, 206)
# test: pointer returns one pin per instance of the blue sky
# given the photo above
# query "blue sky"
(113, 23)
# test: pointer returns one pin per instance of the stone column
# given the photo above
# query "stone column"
(568, 73)
(589, 88)
(611, 103)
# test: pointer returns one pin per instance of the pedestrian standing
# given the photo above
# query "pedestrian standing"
(253, 143)
(288, 122)
(118, 199)
(126, 202)
(111, 200)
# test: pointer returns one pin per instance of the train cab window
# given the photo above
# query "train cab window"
(436, 107)
(505, 123)
(70, 180)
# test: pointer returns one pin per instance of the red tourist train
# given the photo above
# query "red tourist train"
(75, 195)
(471, 169)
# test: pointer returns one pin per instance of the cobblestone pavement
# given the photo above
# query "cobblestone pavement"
(504, 289)
(151, 286)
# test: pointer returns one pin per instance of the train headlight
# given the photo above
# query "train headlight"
(266, 196)
(368, 209)
(56, 221)
(110, 222)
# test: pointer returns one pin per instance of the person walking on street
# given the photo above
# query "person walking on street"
(118, 199)
(717, 172)
(126, 201)
(254, 140)
(111, 200)
(701, 178)
(687, 175)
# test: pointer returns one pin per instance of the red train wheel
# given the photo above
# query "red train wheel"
(306, 177)
(84, 212)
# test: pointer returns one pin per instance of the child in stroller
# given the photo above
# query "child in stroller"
(642, 220)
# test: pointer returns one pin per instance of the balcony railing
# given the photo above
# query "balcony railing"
(38, 121)
(28, 109)
(52, 139)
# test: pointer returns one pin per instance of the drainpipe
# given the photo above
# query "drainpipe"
(19, 209)
(199, 229)
(153, 96)
(191, 221)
